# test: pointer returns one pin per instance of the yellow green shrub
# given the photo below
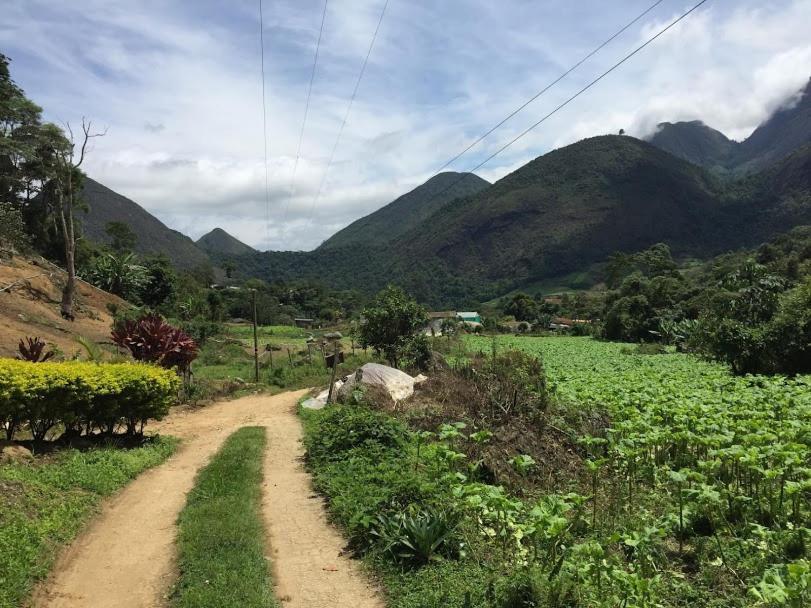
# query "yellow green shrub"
(83, 395)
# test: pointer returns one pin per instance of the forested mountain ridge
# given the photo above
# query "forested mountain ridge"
(154, 237)
(408, 211)
(559, 214)
(785, 131)
(695, 142)
(562, 213)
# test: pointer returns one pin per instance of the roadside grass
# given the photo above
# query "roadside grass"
(44, 504)
(362, 479)
(222, 539)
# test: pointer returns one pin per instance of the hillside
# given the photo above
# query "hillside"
(29, 307)
(787, 130)
(154, 236)
(574, 206)
(408, 211)
(219, 242)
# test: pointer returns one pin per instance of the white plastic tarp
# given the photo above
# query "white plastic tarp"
(399, 385)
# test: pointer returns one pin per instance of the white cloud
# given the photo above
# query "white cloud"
(178, 85)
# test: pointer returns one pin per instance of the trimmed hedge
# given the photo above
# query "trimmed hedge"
(83, 396)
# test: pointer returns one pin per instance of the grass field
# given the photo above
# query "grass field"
(221, 538)
(44, 505)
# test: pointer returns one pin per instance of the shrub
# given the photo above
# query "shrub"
(344, 428)
(417, 352)
(790, 331)
(392, 319)
(82, 395)
(153, 340)
(118, 273)
(13, 236)
(506, 384)
(201, 329)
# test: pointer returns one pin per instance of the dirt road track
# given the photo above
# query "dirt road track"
(126, 557)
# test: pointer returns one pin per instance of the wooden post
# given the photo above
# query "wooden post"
(334, 367)
(255, 342)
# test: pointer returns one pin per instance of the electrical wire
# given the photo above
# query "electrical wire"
(346, 114)
(551, 84)
(291, 194)
(573, 97)
(264, 123)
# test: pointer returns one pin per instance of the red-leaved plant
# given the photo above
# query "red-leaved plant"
(153, 340)
(33, 351)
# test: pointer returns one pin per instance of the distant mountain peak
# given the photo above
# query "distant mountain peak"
(786, 130)
(407, 211)
(695, 142)
(154, 237)
(218, 241)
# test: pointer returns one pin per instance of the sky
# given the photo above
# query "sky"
(177, 85)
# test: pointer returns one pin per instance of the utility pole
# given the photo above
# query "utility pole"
(334, 367)
(336, 339)
(255, 342)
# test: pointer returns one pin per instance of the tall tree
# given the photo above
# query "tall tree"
(391, 321)
(19, 127)
(39, 158)
(67, 179)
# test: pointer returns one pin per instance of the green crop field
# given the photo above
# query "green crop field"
(715, 467)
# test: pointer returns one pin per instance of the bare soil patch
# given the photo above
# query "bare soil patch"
(29, 306)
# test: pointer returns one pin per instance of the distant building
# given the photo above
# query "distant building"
(435, 321)
(305, 323)
(562, 323)
(470, 320)
(469, 317)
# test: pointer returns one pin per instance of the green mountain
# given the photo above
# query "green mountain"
(787, 130)
(407, 212)
(154, 236)
(695, 142)
(219, 242)
(559, 214)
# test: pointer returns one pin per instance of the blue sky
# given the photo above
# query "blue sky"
(178, 86)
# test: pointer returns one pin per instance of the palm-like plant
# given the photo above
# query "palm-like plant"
(33, 351)
(120, 274)
(416, 539)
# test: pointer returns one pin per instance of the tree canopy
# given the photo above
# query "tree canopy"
(390, 323)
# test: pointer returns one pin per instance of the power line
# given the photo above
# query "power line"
(572, 98)
(264, 123)
(304, 121)
(346, 114)
(553, 83)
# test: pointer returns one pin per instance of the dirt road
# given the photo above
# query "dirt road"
(126, 557)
